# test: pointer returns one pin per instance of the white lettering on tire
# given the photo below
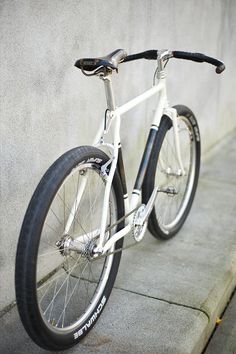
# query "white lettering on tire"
(80, 332)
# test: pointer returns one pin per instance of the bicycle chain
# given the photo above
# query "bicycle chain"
(116, 251)
(111, 227)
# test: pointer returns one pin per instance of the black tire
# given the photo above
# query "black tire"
(55, 323)
(177, 192)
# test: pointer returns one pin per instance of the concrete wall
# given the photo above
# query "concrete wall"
(46, 104)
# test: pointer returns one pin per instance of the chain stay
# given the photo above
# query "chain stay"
(116, 251)
(111, 227)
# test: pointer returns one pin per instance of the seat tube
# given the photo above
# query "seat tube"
(116, 140)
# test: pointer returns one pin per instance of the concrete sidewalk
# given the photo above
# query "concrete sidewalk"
(167, 294)
(224, 337)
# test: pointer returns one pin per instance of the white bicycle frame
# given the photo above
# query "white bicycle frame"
(114, 116)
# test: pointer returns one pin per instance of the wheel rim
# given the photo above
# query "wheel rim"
(175, 190)
(70, 284)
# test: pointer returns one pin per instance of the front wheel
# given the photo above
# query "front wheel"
(175, 190)
(60, 290)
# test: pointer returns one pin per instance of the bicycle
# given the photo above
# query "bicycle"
(72, 235)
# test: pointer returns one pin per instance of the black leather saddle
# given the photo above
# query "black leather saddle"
(110, 61)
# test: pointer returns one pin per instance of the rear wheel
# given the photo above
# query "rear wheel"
(176, 191)
(62, 291)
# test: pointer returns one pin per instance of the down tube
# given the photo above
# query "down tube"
(121, 170)
(146, 158)
(150, 141)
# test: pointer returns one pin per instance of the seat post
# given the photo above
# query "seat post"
(109, 92)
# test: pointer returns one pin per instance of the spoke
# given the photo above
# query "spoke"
(56, 216)
(75, 219)
(166, 209)
(94, 202)
(50, 314)
(51, 228)
(90, 212)
(67, 302)
(50, 245)
(68, 208)
(62, 284)
(63, 319)
(49, 253)
(58, 276)
(86, 285)
(170, 147)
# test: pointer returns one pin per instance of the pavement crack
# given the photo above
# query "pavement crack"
(7, 308)
(166, 301)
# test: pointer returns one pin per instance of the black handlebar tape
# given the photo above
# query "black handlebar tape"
(148, 54)
(200, 58)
